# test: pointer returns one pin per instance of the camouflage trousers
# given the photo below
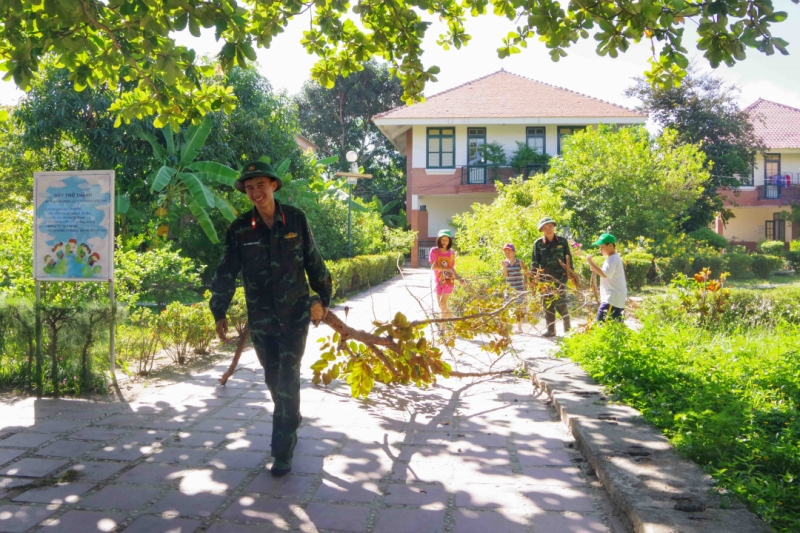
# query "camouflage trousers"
(280, 356)
(552, 303)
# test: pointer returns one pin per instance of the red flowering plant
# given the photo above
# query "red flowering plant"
(703, 298)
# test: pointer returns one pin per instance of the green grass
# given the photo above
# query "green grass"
(728, 401)
(794, 279)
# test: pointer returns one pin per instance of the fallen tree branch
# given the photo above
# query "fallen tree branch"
(481, 374)
(237, 355)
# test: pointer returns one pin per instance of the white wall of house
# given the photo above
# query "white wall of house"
(443, 207)
(748, 224)
(506, 134)
(790, 164)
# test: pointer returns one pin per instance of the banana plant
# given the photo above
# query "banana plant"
(385, 210)
(192, 182)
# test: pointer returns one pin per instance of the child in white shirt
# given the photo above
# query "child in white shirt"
(613, 290)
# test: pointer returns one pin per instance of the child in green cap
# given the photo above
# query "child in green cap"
(613, 289)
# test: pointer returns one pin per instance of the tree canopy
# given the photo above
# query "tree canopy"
(129, 45)
(704, 110)
(627, 181)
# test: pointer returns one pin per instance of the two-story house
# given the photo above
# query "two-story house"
(443, 139)
(775, 182)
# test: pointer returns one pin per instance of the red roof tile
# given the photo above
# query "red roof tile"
(778, 125)
(506, 95)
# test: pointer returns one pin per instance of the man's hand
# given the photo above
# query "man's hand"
(222, 330)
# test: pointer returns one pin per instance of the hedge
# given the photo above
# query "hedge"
(361, 272)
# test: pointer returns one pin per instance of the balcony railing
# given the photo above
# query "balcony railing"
(780, 187)
(486, 174)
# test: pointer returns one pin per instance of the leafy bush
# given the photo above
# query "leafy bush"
(400, 240)
(714, 262)
(237, 312)
(16, 260)
(794, 246)
(637, 267)
(793, 258)
(738, 265)
(328, 221)
(139, 341)
(772, 247)
(672, 266)
(730, 402)
(159, 275)
(186, 329)
(710, 238)
(525, 156)
(763, 309)
(362, 272)
(765, 265)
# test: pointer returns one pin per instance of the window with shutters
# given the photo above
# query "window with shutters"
(441, 148)
(566, 131)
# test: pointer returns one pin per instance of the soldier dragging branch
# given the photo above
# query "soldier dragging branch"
(273, 248)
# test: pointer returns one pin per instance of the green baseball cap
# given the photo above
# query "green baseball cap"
(545, 221)
(444, 232)
(257, 169)
(605, 238)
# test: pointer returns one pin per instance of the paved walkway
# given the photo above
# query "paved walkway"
(480, 455)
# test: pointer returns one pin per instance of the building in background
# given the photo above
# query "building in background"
(774, 184)
(442, 138)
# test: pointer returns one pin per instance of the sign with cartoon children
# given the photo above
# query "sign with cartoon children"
(74, 225)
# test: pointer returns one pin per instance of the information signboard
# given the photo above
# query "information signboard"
(73, 236)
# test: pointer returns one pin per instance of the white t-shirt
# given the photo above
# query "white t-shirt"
(613, 289)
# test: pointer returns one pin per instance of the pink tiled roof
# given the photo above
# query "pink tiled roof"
(506, 95)
(778, 125)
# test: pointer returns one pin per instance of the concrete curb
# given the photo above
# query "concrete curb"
(658, 491)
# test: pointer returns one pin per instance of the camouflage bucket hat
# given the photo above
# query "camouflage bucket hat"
(257, 169)
(545, 221)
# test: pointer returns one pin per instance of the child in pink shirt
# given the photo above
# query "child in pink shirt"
(443, 262)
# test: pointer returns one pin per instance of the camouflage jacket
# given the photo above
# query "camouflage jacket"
(273, 263)
(546, 255)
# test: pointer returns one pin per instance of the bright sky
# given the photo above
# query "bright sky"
(286, 64)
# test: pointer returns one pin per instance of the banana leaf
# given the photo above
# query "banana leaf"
(162, 178)
(193, 140)
(158, 150)
(205, 222)
(201, 194)
(227, 210)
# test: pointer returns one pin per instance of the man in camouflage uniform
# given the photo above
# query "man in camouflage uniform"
(548, 250)
(273, 248)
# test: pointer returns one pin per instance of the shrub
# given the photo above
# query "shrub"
(669, 267)
(399, 240)
(765, 265)
(637, 267)
(139, 341)
(772, 247)
(794, 246)
(186, 328)
(202, 330)
(715, 263)
(237, 312)
(738, 265)
(763, 309)
(160, 275)
(710, 238)
(793, 258)
(362, 272)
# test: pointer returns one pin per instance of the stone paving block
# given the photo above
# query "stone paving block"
(219, 425)
(170, 455)
(85, 522)
(237, 413)
(228, 459)
(59, 494)
(153, 524)
(276, 511)
(255, 443)
(337, 517)
(552, 477)
(230, 527)
(427, 453)
(9, 483)
(67, 448)
(543, 457)
(121, 497)
(486, 440)
(168, 423)
(259, 428)
(97, 433)
(26, 440)
(85, 416)
(150, 474)
(425, 496)
(176, 503)
(410, 521)
(470, 521)
(306, 464)
(32, 467)
(314, 432)
(96, 471)
(210, 480)
(18, 518)
(489, 496)
(424, 471)
(57, 426)
(290, 486)
(557, 499)
(568, 523)
(429, 438)
(126, 420)
(342, 491)
(123, 452)
(355, 469)
(147, 436)
(197, 439)
(9, 454)
(476, 472)
(315, 447)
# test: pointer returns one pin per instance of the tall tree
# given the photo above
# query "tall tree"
(704, 111)
(340, 119)
(104, 42)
